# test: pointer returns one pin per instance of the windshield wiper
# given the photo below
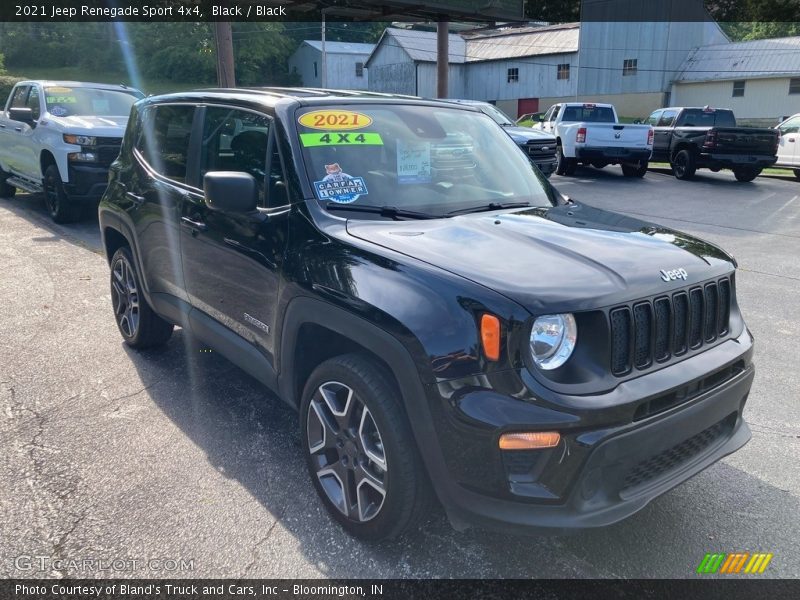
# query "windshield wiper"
(385, 211)
(490, 206)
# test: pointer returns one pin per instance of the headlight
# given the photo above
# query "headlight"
(82, 157)
(552, 340)
(80, 140)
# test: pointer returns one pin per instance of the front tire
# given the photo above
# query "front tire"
(796, 173)
(747, 174)
(635, 170)
(58, 205)
(683, 165)
(360, 451)
(564, 165)
(139, 325)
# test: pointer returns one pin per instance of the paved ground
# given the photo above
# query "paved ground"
(108, 453)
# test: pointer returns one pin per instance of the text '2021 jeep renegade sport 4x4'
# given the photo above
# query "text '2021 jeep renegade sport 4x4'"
(439, 316)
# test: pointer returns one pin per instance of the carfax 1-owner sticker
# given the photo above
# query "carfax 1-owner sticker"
(338, 186)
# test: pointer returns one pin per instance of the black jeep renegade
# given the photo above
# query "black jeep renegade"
(447, 325)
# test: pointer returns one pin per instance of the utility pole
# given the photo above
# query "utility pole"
(442, 58)
(223, 37)
(324, 77)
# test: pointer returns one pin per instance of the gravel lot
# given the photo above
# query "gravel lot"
(175, 454)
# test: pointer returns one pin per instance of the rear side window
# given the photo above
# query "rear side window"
(667, 118)
(589, 114)
(164, 139)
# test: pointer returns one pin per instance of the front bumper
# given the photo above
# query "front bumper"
(601, 472)
(86, 182)
(612, 154)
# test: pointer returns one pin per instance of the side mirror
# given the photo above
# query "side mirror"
(540, 118)
(230, 191)
(22, 114)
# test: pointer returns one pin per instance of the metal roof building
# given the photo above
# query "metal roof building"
(759, 80)
(344, 64)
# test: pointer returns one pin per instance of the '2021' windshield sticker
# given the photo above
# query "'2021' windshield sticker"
(310, 140)
(338, 186)
(335, 120)
(413, 162)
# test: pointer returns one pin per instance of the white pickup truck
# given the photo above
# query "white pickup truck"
(590, 134)
(59, 138)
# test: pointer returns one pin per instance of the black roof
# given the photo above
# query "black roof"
(270, 96)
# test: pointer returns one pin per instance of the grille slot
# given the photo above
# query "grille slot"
(655, 330)
(695, 318)
(663, 327)
(677, 455)
(620, 341)
(643, 324)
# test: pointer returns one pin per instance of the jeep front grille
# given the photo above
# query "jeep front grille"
(653, 330)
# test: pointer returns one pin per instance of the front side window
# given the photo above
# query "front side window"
(33, 102)
(415, 158)
(630, 66)
(20, 94)
(164, 139)
(790, 126)
(497, 115)
(236, 140)
(653, 118)
(63, 101)
(512, 75)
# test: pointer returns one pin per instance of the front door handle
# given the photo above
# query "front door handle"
(17, 128)
(791, 139)
(196, 225)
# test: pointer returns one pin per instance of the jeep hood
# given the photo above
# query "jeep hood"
(522, 135)
(553, 259)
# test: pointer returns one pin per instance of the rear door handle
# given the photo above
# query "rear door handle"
(196, 225)
(17, 128)
(791, 139)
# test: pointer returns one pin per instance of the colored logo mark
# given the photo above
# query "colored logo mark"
(739, 562)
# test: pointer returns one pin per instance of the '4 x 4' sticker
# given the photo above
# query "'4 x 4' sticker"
(338, 186)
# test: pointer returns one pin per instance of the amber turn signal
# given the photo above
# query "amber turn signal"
(529, 440)
(490, 337)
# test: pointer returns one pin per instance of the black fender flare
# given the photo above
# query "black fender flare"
(304, 309)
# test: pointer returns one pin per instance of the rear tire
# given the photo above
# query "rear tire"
(747, 174)
(55, 197)
(565, 165)
(683, 165)
(6, 191)
(635, 170)
(361, 454)
(139, 325)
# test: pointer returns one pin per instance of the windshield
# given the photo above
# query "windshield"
(495, 113)
(431, 160)
(82, 101)
(697, 117)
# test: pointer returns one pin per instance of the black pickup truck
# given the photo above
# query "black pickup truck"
(697, 138)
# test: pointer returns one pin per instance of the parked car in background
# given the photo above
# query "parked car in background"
(540, 147)
(697, 138)
(435, 311)
(591, 134)
(789, 144)
(59, 138)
